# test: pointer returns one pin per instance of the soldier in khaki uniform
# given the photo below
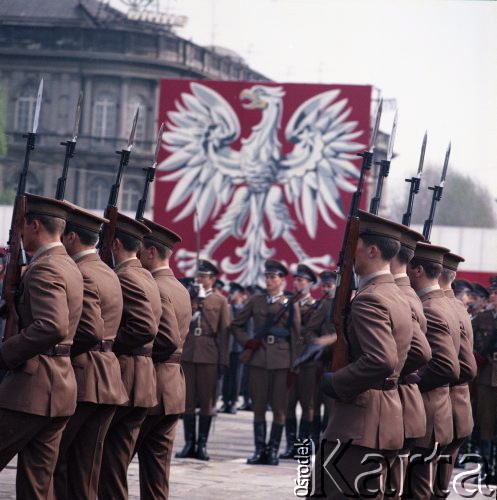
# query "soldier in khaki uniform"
(96, 368)
(459, 391)
(485, 339)
(366, 406)
(303, 384)
(142, 311)
(419, 354)
(204, 358)
(156, 438)
(443, 334)
(270, 355)
(38, 394)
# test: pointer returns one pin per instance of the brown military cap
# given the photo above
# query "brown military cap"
(206, 267)
(409, 238)
(41, 205)
(430, 253)
(306, 272)
(378, 226)
(131, 227)
(84, 219)
(451, 261)
(161, 234)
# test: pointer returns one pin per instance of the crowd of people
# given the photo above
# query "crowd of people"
(106, 359)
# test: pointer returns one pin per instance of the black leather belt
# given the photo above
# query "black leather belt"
(141, 351)
(103, 346)
(58, 350)
(389, 384)
(273, 339)
(410, 378)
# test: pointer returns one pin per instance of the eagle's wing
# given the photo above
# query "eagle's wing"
(321, 162)
(202, 163)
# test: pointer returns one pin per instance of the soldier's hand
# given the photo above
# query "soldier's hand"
(326, 340)
(245, 356)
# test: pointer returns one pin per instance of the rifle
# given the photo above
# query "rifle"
(384, 170)
(149, 178)
(70, 147)
(437, 196)
(16, 257)
(415, 182)
(109, 229)
(345, 266)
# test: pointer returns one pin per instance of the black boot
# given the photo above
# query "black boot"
(274, 444)
(204, 425)
(188, 450)
(316, 431)
(305, 429)
(259, 456)
(291, 437)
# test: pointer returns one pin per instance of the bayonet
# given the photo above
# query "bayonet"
(376, 127)
(384, 170)
(149, 177)
(38, 107)
(437, 196)
(131, 139)
(415, 183)
(70, 149)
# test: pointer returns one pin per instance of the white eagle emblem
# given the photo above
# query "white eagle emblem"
(244, 190)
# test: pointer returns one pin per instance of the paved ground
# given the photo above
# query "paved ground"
(226, 475)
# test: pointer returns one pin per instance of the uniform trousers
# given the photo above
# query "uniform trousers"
(420, 480)
(119, 447)
(339, 473)
(201, 383)
(398, 470)
(268, 387)
(303, 391)
(154, 447)
(232, 379)
(446, 466)
(36, 441)
(80, 453)
(487, 411)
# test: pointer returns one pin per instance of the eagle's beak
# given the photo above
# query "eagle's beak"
(251, 101)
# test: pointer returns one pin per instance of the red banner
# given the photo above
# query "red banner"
(265, 170)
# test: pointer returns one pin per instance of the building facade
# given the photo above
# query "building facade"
(87, 46)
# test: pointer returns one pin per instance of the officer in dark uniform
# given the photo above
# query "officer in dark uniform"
(270, 354)
(485, 339)
(303, 384)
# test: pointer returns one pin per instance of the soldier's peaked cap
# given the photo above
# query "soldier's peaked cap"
(131, 227)
(161, 235)
(42, 205)
(206, 267)
(84, 219)
(462, 286)
(493, 283)
(275, 266)
(328, 276)
(451, 261)
(430, 253)
(378, 226)
(236, 287)
(305, 272)
(480, 291)
(409, 238)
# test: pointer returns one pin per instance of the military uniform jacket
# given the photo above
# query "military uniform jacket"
(459, 392)
(211, 346)
(485, 339)
(379, 335)
(98, 374)
(307, 309)
(137, 330)
(282, 353)
(321, 321)
(443, 368)
(49, 307)
(173, 329)
(419, 354)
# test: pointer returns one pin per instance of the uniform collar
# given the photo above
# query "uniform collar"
(83, 253)
(364, 280)
(127, 262)
(45, 248)
(271, 299)
(428, 289)
(400, 275)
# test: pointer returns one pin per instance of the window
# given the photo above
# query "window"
(137, 101)
(25, 109)
(131, 196)
(104, 116)
(98, 193)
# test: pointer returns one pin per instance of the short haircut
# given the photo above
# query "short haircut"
(162, 250)
(405, 255)
(447, 275)
(87, 237)
(388, 246)
(432, 269)
(130, 243)
(53, 225)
